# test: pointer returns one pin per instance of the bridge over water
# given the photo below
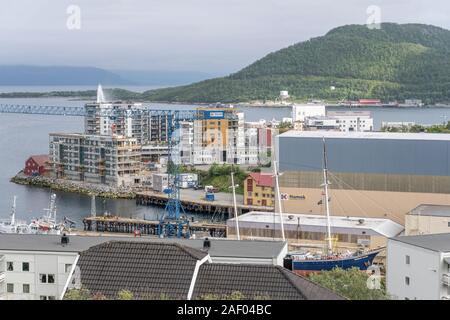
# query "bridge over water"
(46, 110)
(81, 112)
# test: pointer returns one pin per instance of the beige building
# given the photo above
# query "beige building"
(307, 230)
(428, 219)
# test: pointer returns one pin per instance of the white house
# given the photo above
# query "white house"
(418, 267)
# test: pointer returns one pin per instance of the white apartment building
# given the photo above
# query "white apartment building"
(302, 111)
(418, 267)
(345, 121)
(359, 121)
(34, 267)
(113, 160)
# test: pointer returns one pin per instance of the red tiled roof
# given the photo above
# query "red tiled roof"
(262, 179)
(40, 159)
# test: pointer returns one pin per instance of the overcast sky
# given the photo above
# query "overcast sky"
(215, 36)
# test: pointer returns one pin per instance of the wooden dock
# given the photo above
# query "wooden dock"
(194, 203)
(114, 224)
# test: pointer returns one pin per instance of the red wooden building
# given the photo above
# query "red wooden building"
(36, 165)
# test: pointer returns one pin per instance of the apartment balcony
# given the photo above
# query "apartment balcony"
(446, 279)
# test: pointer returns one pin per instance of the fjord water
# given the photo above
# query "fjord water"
(22, 135)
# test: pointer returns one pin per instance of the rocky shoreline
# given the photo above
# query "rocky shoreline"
(73, 186)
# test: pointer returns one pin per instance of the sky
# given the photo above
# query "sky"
(212, 36)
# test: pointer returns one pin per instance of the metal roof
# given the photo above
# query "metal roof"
(431, 210)
(312, 222)
(219, 247)
(436, 242)
(366, 135)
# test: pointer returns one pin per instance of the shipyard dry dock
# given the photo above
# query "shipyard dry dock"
(194, 201)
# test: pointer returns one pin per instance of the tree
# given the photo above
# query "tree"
(125, 295)
(78, 294)
(350, 283)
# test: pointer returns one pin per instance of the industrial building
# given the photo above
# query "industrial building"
(428, 219)
(374, 174)
(418, 267)
(308, 230)
(112, 160)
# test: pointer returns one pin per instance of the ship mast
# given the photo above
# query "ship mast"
(277, 185)
(13, 212)
(325, 185)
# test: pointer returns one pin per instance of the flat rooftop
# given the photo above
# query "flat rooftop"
(219, 247)
(366, 135)
(431, 210)
(340, 224)
(436, 242)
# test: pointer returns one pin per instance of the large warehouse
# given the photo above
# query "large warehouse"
(375, 174)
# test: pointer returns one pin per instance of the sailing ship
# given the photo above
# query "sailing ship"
(306, 262)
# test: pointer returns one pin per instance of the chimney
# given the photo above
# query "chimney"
(206, 244)
(64, 239)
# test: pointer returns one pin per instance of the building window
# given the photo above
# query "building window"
(9, 266)
(407, 259)
(26, 288)
(51, 278)
(10, 287)
(25, 266)
(407, 281)
(43, 297)
(43, 278)
(51, 298)
(448, 224)
(67, 267)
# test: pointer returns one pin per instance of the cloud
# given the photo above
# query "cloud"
(203, 35)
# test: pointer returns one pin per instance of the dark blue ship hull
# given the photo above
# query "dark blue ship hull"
(361, 262)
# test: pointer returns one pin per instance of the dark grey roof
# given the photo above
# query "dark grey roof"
(436, 242)
(150, 269)
(219, 247)
(257, 281)
(431, 210)
(147, 269)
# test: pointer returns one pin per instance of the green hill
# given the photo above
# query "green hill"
(394, 62)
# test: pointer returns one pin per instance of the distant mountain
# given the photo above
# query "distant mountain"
(58, 75)
(159, 77)
(349, 62)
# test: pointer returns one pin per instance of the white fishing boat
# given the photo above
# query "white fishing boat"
(47, 223)
(12, 225)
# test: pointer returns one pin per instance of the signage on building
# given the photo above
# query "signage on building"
(213, 115)
(286, 196)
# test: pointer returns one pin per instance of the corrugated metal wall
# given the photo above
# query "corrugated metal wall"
(367, 164)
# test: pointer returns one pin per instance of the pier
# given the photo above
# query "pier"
(114, 224)
(221, 208)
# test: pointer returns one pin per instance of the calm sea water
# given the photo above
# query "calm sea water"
(23, 135)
